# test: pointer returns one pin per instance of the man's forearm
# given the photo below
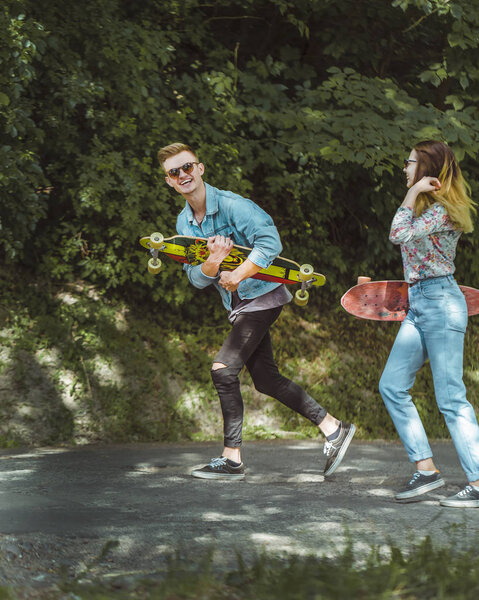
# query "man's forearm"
(247, 269)
(230, 280)
(211, 267)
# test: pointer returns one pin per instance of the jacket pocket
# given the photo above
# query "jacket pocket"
(226, 231)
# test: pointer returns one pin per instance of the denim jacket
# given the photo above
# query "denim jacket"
(241, 220)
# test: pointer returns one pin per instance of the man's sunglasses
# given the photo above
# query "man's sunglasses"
(407, 161)
(186, 168)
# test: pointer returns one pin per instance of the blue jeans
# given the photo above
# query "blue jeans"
(434, 328)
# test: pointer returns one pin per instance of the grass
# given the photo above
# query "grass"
(423, 572)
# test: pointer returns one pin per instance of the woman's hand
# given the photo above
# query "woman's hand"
(424, 185)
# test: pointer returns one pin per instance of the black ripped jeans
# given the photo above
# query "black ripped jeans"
(249, 343)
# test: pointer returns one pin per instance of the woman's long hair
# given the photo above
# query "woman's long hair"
(436, 159)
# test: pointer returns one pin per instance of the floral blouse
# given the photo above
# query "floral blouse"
(428, 243)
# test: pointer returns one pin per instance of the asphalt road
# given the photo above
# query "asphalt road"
(114, 510)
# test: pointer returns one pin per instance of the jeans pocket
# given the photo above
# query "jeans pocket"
(456, 311)
(433, 292)
(456, 320)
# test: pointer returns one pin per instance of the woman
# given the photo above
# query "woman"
(435, 212)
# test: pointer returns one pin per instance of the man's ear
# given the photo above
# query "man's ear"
(201, 168)
(167, 179)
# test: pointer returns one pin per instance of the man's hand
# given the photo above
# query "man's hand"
(219, 247)
(228, 281)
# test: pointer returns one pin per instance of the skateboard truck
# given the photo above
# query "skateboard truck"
(155, 243)
(301, 296)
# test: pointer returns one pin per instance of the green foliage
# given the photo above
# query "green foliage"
(307, 107)
(22, 204)
(6, 594)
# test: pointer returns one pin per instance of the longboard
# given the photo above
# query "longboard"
(388, 300)
(193, 251)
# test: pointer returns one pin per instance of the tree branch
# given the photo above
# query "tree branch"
(420, 20)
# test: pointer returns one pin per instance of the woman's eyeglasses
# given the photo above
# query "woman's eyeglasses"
(186, 168)
(407, 161)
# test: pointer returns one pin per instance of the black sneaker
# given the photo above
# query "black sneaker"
(466, 498)
(336, 449)
(420, 484)
(220, 468)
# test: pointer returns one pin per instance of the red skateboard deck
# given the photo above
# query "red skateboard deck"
(388, 300)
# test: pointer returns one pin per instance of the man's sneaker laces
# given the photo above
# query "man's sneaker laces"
(220, 468)
(336, 449)
(328, 446)
(218, 462)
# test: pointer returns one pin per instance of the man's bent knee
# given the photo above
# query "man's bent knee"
(222, 375)
(217, 366)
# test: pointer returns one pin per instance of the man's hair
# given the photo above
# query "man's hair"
(172, 150)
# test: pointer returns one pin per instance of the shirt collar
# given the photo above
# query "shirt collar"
(211, 203)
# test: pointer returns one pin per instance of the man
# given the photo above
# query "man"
(253, 305)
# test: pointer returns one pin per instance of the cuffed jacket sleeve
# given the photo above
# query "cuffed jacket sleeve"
(197, 277)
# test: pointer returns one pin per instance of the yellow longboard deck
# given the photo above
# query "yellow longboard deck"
(194, 251)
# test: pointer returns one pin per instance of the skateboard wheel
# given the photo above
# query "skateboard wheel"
(154, 266)
(156, 240)
(305, 272)
(301, 297)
